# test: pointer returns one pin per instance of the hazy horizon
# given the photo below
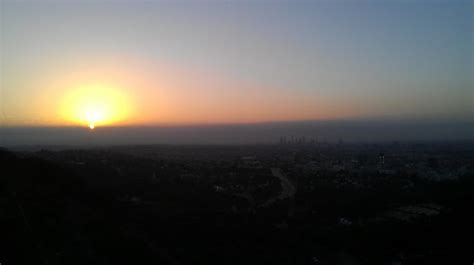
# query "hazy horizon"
(257, 133)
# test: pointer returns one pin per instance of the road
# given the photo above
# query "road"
(288, 190)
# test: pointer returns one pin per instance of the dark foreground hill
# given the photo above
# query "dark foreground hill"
(104, 207)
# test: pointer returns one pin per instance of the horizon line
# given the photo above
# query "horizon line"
(270, 122)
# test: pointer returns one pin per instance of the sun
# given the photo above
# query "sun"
(95, 105)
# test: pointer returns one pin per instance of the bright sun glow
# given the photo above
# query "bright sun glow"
(95, 105)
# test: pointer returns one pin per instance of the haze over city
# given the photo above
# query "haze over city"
(189, 63)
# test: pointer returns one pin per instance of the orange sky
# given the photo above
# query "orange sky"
(158, 63)
(161, 94)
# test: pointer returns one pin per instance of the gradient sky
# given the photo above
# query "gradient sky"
(188, 62)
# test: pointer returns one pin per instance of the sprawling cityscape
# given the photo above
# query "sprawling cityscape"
(293, 202)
